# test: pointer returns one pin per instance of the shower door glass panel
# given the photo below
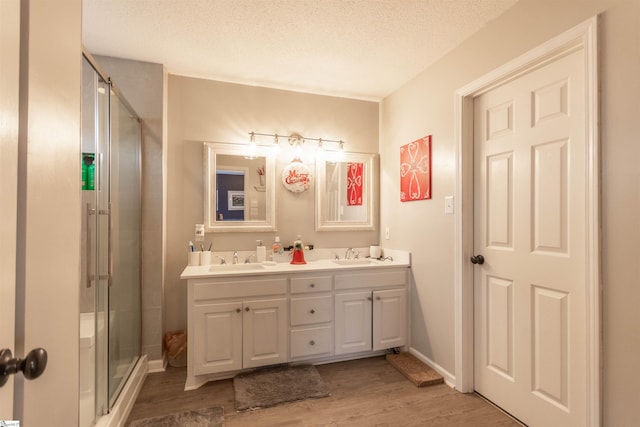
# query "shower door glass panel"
(94, 254)
(125, 243)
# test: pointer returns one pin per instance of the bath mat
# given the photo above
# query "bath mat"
(417, 372)
(211, 417)
(263, 388)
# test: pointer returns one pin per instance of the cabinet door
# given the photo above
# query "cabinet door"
(389, 319)
(353, 322)
(265, 332)
(217, 340)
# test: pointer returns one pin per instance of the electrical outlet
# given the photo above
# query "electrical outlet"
(386, 233)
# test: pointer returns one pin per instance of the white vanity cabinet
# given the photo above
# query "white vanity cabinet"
(371, 311)
(242, 320)
(235, 323)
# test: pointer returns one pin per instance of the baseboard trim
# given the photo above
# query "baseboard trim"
(158, 365)
(449, 378)
(121, 410)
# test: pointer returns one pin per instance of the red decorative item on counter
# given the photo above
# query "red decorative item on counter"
(415, 170)
(354, 184)
(298, 257)
(298, 252)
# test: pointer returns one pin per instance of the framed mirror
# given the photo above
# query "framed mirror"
(239, 189)
(345, 189)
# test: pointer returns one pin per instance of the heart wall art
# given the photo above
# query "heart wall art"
(415, 170)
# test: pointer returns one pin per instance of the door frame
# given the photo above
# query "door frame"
(582, 37)
(9, 135)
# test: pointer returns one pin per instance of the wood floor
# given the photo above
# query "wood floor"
(365, 392)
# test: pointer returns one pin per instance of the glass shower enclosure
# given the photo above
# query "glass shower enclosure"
(110, 308)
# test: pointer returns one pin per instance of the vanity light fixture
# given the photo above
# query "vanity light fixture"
(296, 141)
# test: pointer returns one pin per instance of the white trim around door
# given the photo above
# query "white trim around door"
(583, 36)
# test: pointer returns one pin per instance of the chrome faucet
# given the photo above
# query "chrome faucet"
(247, 260)
(235, 257)
(222, 260)
(348, 254)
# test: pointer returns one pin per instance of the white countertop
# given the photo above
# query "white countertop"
(400, 259)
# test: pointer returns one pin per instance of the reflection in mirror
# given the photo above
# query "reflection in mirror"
(239, 190)
(344, 192)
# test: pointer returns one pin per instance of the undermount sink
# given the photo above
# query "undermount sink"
(353, 261)
(235, 267)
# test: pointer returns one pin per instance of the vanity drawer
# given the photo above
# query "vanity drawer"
(372, 279)
(301, 285)
(239, 287)
(311, 342)
(310, 310)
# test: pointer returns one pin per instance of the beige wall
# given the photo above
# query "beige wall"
(203, 110)
(425, 106)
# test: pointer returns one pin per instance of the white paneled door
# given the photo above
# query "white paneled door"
(529, 226)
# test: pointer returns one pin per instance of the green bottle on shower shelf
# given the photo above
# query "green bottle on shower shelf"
(91, 172)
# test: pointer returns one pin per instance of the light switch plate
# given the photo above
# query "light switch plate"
(386, 233)
(448, 205)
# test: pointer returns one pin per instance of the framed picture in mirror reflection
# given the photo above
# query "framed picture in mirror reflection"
(235, 200)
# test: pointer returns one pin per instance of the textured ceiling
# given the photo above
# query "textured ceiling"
(361, 49)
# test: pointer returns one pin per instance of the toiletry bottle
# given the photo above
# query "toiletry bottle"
(261, 252)
(277, 248)
(91, 173)
(88, 172)
(84, 174)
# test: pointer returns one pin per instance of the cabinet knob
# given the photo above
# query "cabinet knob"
(246, 309)
(378, 298)
(238, 310)
(313, 285)
(312, 342)
(369, 299)
(312, 311)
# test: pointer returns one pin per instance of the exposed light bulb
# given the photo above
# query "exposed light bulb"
(341, 151)
(252, 149)
(320, 150)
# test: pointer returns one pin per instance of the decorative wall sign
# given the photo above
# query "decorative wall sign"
(354, 184)
(296, 177)
(415, 170)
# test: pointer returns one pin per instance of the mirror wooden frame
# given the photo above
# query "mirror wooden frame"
(369, 191)
(211, 223)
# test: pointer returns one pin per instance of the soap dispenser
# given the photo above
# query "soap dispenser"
(277, 247)
(261, 252)
(298, 252)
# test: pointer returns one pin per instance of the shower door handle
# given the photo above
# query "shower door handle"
(31, 366)
(89, 250)
(108, 275)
